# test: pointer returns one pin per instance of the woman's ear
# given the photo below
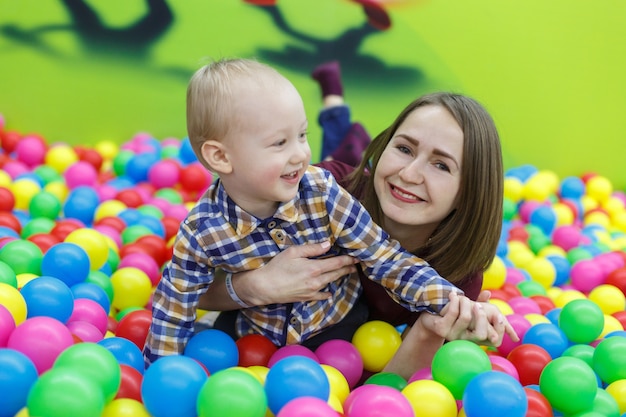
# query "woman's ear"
(214, 153)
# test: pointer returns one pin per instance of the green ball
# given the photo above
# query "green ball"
(96, 363)
(605, 404)
(387, 379)
(530, 288)
(609, 359)
(581, 351)
(569, 384)
(46, 205)
(456, 363)
(509, 209)
(582, 321)
(47, 174)
(578, 254)
(23, 256)
(103, 281)
(65, 392)
(232, 392)
(134, 232)
(7, 275)
(169, 194)
(39, 225)
(150, 210)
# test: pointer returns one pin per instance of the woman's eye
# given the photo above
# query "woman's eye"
(442, 166)
(403, 149)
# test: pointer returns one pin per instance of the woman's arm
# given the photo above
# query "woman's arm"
(290, 277)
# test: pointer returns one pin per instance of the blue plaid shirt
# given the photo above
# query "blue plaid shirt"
(217, 234)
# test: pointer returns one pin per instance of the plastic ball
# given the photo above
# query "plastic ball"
(48, 296)
(495, 275)
(45, 205)
(617, 390)
(7, 325)
(60, 157)
(130, 383)
(494, 394)
(171, 386)
(599, 188)
(376, 400)
(131, 288)
(609, 298)
(164, 173)
(125, 351)
(585, 275)
(232, 392)
(134, 326)
(293, 377)
(67, 262)
(214, 349)
(13, 301)
(548, 336)
(569, 384)
(502, 364)
(609, 361)
(529, 360)
(605, 405)
(125, 407)
(17, 376)
(93, 243)
(93, 292)
(95, 362)
(582, 321)
(7, 199)
(80, 173)
(545, 218)
(456, 363)
(307, 407)
(145, 263)
(65, 392)
(542, 271)
(291, 350)
(430, 398)
(387, 379)
(86, 310)
(344, 356)
(22, 256)
(377, 342)
(338, 384)
(194, 177)
(255, 349)
(24, 189)
(521, 325)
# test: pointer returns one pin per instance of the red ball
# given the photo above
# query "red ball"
(255, 349)
(134, 326)
(545, 303)
(92, 157)
(194, 177)
(518, 233)
(621, 317)
(64, 227)
(8, 219)
(617, 278)
(171, 226)
(538, 404)
(511, 289)
(7, 199)
(156, 247)
(130, 198)
(113, 222)
(130, 386)
(44, 241)
(9, 140)
(529, 360)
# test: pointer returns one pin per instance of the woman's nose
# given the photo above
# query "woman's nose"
(413, 173)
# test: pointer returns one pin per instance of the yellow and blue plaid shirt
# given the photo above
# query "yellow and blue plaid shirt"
(217, 234)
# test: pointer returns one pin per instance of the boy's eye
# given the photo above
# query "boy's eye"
(280, 142)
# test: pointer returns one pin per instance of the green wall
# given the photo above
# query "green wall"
(551, 72)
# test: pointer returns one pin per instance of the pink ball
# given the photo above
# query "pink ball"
(343, 356)
(89, 311)
(609, 261)
(586, 274)
(526, 209)
(7, 325)
(424, 373)
(502, 364)
(42, 339)
(524, 305)
(178, 212)
(514, 276)
(520, 324)
(110, 232)
(80, 173)
(567, 237)
(31, 150)
(377, 400)
(86, 332)
(144, 262)
(15, 169)
(106, 192)
(291, 350)
(164, 173)
(307, 407)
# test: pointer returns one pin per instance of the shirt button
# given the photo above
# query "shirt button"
(293, 321)
(271, 224)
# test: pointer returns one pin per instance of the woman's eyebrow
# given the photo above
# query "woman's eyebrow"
(436, 151)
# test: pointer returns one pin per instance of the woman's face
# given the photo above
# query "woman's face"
(418, 175)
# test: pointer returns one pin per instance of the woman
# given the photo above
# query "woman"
(434, 181)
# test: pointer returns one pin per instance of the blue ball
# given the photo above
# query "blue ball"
(214, 349)
(186, 153)
(171, 385)
(17, 376)
(93, 292)
(544, 217)
(548, 336)
(138, 166)
(562, 268)
(67, 262)
(293, 377)
(49, 297)
(494, 394)
(572, 187)
(125, 351)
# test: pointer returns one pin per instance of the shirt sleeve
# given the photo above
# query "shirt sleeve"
(176, 296)
(409, 279)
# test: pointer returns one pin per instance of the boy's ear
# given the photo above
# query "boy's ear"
(214, 153)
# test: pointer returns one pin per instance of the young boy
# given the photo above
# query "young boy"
(246, 123)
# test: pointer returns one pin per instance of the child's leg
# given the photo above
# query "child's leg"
(336, 124)
(350, 150)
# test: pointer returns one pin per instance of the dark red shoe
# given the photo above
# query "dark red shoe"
(376, 15)
(261, 2)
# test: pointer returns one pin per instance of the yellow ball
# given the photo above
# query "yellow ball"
(619, 221)
(613, 205)
(599, 188)
(597, 217)
(57, 189)
(503, 306)
(110, 208)
(5, 179)
(513, 189)
(24, 190)
(430, 398)
(13, 301)
(609, 298)
(495, 275)
(541, 270)
(125, 407)
(566, 296)
(377, 342)
(335, 403)
(519, 253)
(536, 190)
(588, 203)
(260, 372)
(617, 390)
(60, 157)
(535, 318)
(339, 386)
(94, 244)
(564, 214)
(107, 149)
(552, 250)
(24, 278)
(611, 324)
(131, 288)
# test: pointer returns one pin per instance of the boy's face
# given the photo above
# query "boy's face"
(266, 145)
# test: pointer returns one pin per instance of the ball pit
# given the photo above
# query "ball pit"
(85, 232)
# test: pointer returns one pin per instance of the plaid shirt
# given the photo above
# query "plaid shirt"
(219, 234)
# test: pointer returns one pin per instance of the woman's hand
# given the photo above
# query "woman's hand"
(291, 276)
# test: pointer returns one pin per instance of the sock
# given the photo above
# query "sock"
(377, 17)
(328, 75)
(350, 150)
